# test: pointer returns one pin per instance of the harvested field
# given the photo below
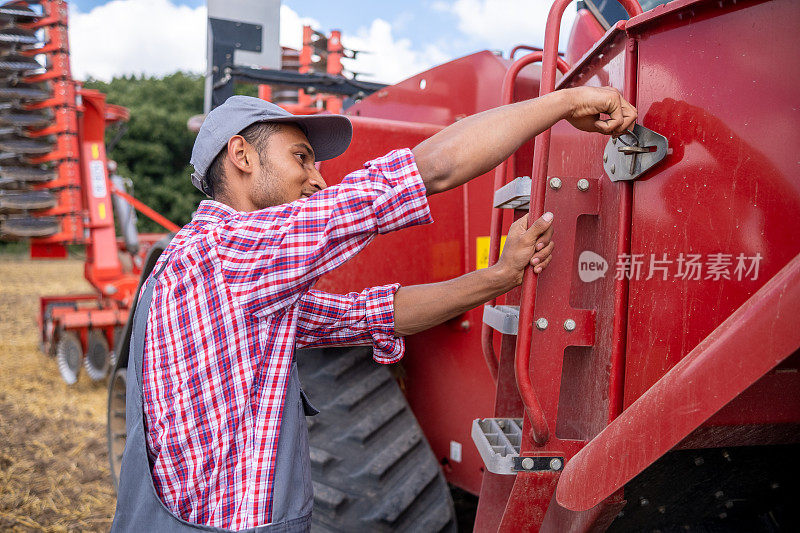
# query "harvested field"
(54, 472)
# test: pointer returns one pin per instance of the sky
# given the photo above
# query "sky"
(155, 37)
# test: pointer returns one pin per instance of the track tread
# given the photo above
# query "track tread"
(372, 467)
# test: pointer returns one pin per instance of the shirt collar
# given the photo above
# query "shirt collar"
(213, 211)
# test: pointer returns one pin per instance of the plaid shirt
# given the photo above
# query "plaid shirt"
(229, 311)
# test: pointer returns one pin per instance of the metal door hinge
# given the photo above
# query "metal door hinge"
(633, 153)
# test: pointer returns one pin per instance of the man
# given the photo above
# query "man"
(215, 403)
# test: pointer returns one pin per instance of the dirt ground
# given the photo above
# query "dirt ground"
(54, 473)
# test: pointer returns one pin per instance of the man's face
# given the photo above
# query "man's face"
(287, 172)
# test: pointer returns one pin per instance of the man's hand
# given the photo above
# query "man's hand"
(527, 246)
(587, 104)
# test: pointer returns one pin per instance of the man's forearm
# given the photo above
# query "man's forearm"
(419, 307)
(475, 145)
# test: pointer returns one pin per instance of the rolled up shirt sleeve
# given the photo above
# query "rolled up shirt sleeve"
(351, 319)
(272, 256)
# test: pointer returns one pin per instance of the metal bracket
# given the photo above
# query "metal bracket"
(229, 36)
(537, 464)
(502, 318)
(633, 153)
(514, 195)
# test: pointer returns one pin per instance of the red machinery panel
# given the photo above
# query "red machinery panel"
(725, 195)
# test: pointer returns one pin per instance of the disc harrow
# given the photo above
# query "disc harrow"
(37, 130)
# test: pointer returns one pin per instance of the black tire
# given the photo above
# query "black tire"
(115, 429)
(371, 466)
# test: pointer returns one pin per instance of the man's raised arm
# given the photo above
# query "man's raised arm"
(475, 145)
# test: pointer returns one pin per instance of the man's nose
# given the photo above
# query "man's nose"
(317, 180)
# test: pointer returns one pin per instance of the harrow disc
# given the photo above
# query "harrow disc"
(26, 94)
(25, 146)
(17, 63)
(10, 37)
(28, 200)
(30, 227)
(17, 13)
(25, 120)
(27, 174)
(97, 360)
(68, 356)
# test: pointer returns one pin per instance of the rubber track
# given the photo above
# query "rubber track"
(372, 468)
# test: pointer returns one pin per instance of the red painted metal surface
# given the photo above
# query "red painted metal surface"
(752, 341)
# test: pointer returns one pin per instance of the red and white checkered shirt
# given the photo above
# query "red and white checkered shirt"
(227, 314)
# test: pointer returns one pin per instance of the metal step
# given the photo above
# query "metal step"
(29, 227)
(498, 441)
(27, 200)
(25, 146)
(502, 318)
(514, 195)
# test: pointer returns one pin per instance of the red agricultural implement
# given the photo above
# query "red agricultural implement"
(647, 380)
(55, 188)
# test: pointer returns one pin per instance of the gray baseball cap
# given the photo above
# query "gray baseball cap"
(329, 135)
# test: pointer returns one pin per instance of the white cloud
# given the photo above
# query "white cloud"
(151, 37)
(292, 27)
(502, 24)
(388, 60)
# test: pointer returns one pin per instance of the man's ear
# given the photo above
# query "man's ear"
(240, 153)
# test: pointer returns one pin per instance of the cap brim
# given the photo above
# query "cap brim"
(329, 135)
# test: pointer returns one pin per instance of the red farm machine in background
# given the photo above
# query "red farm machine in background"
(55, 188)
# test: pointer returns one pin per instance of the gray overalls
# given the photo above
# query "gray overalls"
(138, 506)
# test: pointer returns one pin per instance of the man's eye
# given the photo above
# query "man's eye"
(301, 156)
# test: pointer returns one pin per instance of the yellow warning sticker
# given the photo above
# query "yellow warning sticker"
(482, 251)
(95, 151)
(101, 209)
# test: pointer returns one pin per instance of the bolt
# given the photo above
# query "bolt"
(775, 486)
(555, 183)
(723, 515)
(569, 324)
(541, 323)
(644, 502)
(583, 185)
(698, 461)
(719, 494)
(555, 463)
(613, 168)
(729, 504)
(527, 463)
(726, 455)
(662, 509)
(605, 158)
(465, 324)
